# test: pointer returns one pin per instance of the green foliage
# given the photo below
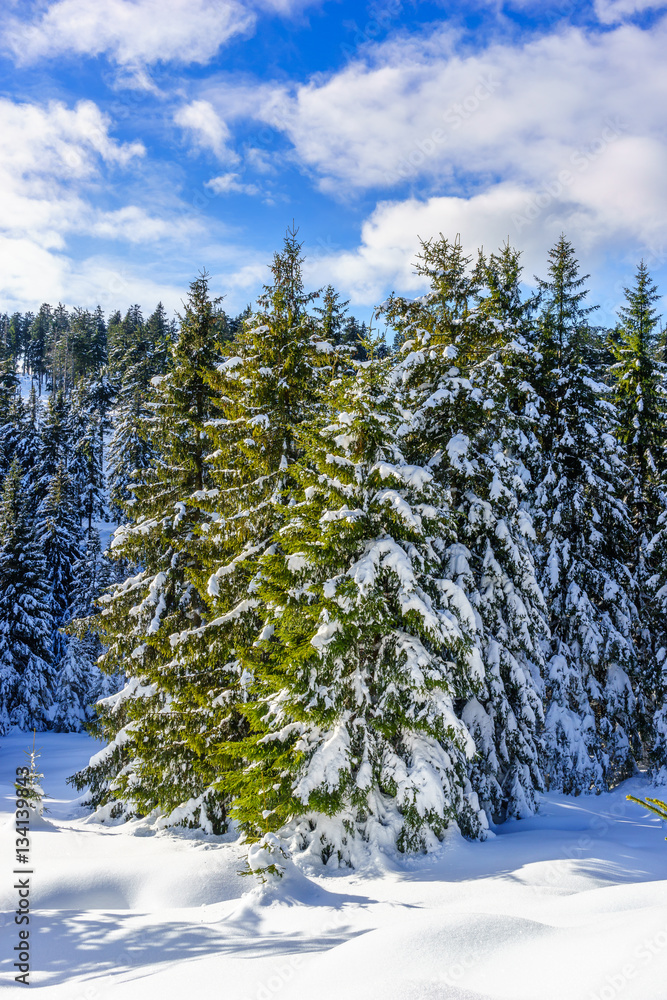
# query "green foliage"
(26, 627)
(595, 720)
(269, 381)
(640, 396)
(152, 723)
(140, 353)
(363, 597)
(656, 806)
(468, 414)
(363, 650)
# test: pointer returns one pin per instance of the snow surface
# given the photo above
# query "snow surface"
(25, 385)
(568, 905)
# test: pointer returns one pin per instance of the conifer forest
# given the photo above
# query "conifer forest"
(347, 583)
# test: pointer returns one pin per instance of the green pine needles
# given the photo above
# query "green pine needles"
(364, 594)
(154, 759)
(364, 650)
(656, 806)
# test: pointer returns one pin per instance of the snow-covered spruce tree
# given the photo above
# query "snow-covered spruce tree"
(364, 651)
(498, 531)
(122, 331)
(11, 434)
(72, 493)
(656, 671)
(79, 683)
(55, 442)
(143, 356)
(26, 683)
(57, 349)
(271, 380)
(332, 315)
(59, 531)
(153, 761)
(86, 462)
(39, 334)
(29, 445)
(100, 394)
(467, 416)
(87, 344)
(640, 395)
(129, 451)
(595, 722)
(8, 401)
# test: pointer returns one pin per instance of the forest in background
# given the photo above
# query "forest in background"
(358, 593)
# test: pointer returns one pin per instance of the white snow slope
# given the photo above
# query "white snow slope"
(569, 905)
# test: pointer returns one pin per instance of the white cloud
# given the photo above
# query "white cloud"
(138, 33)
(583, 201)
(52, 159)
(114, 284)
(47, 153)
(21, 259)
(522, 140)
(415, 109)
(385, 257)
(54, 139)
(133, 224)
(131, 32)
(614, 11)
(230, 184)
(208, 129)
(104, 281)
(58, 169)
(260, 160)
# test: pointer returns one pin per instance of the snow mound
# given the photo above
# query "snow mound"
(491, 957)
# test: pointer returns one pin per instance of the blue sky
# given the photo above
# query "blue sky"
(145, 139)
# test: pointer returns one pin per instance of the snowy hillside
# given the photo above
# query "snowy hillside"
(568, 905)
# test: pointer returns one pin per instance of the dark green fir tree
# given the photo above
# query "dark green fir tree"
(26, 625)
(595, 716)
(467, 411)
(153, 762)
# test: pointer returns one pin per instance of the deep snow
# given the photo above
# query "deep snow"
(571, 904)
